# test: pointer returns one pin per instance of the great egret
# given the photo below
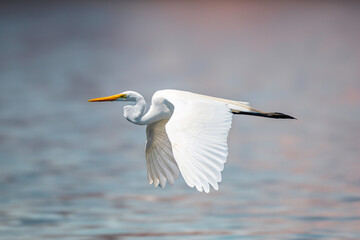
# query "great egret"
(187, 132)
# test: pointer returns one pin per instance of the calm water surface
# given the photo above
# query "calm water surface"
(74, 170)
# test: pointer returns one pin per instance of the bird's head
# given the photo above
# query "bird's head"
(127, 96)
(132, 112)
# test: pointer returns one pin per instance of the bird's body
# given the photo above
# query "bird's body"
(186, 133)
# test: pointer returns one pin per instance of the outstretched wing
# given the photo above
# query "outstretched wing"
(198, 130)
(161, 166)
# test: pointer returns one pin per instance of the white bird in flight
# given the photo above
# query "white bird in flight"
(185, 132)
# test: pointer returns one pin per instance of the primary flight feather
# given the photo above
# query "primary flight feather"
(186, 133)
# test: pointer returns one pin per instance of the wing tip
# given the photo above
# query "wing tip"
(206, 189)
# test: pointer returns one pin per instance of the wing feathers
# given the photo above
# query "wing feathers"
(193, 141)
(160, 161)
(198, 130)
(211, 174)
(166, 169)
(159, 169)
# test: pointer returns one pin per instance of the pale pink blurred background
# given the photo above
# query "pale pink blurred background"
(74, 170)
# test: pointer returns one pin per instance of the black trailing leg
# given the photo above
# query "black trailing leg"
(263, 114)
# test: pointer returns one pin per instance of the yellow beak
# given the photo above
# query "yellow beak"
(109, 98)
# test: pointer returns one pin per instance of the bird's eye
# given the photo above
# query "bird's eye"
(123, 95)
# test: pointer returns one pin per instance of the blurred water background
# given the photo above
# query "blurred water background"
(70, 169)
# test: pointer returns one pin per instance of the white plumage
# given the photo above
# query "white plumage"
(160, 162)
(186, 132)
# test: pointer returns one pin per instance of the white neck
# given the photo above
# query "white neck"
(136, 113)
